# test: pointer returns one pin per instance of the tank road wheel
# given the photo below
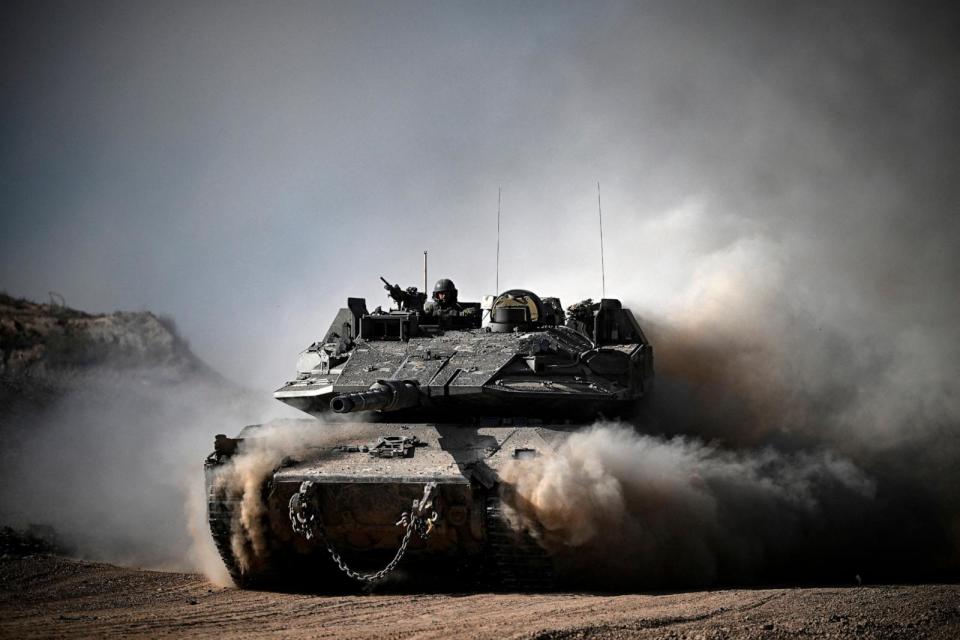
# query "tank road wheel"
(515, 562)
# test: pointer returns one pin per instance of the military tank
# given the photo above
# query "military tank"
(419, 407)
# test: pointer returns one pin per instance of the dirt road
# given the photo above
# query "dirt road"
(43, 596)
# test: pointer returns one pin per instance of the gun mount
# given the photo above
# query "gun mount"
(409, 299)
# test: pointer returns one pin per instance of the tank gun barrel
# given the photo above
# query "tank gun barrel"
(385, 395)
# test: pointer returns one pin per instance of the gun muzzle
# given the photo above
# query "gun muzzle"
(385, 395)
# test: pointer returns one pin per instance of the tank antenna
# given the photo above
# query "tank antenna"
(425, 270)
(603, 276)
(496, 288)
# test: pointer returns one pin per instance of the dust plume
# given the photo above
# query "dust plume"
(664, 512)
(113, 461)
(784, 441)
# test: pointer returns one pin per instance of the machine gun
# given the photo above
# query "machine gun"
(408, 299)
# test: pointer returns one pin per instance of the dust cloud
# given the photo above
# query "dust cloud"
(786, 439)
(791, 253)
(667, 512)
(114, 463)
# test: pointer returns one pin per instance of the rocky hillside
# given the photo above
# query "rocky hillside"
(105, 420)
(41, 339)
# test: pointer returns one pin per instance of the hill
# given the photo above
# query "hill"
(40, 338)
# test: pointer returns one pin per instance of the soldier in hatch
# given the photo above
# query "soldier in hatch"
(445, 295)
(445, 303)
(580, 316)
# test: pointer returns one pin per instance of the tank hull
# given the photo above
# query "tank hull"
(361, 491)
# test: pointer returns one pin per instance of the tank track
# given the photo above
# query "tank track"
(515, 561)
(219, 515)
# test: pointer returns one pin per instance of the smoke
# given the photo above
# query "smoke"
(240, 481)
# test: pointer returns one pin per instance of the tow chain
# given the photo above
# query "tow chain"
(306, 520)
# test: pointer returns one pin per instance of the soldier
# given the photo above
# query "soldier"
(580, 316)
(445, 294)
(445, 304)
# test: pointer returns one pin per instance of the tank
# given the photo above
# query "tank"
(416, 409)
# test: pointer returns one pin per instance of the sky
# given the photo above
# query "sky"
(245, 167)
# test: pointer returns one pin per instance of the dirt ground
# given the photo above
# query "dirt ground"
(47, 596)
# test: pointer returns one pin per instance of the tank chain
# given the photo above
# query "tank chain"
(306, 520)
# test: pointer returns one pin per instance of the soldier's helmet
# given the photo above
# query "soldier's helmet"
(444, 292)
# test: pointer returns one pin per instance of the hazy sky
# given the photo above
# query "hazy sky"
(245, 167)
